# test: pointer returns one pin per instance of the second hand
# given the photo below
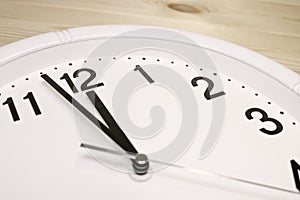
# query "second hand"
(197, 171)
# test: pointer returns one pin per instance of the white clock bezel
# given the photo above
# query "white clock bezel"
(27, 46)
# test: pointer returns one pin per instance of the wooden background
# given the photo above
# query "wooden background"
(270, 27)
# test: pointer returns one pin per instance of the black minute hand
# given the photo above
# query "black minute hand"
(116, 133)
(118, 137)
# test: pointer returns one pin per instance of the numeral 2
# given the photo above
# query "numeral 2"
(13, 110)
(208, 90)
(296, 169)
(265, 118)
(85, 85)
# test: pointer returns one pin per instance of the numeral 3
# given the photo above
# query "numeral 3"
(265, 118)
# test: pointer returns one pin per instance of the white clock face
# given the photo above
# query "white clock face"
(210, 124)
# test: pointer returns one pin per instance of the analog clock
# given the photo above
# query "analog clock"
(145, 112)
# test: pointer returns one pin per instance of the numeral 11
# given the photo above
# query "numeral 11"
(13, 110)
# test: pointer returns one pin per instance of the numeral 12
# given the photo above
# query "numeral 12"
(13, 110)
(86, 84)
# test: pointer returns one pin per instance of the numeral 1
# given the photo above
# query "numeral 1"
(13, 110)
(296, 169)
(14, 113)
(69, 82)
(142, 71)
(33, 103)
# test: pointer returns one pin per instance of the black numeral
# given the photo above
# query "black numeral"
(144, 73)
(14, 113)
(208, 90)
(296, 169)
(265, 118)
(33, 103)
(69, 82)
(13, 110)
(86, 84)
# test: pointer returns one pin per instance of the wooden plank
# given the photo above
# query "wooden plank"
(270, 27)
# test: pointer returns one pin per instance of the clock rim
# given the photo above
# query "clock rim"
(18, 49)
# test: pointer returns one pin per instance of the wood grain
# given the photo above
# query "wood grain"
(270, 27)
